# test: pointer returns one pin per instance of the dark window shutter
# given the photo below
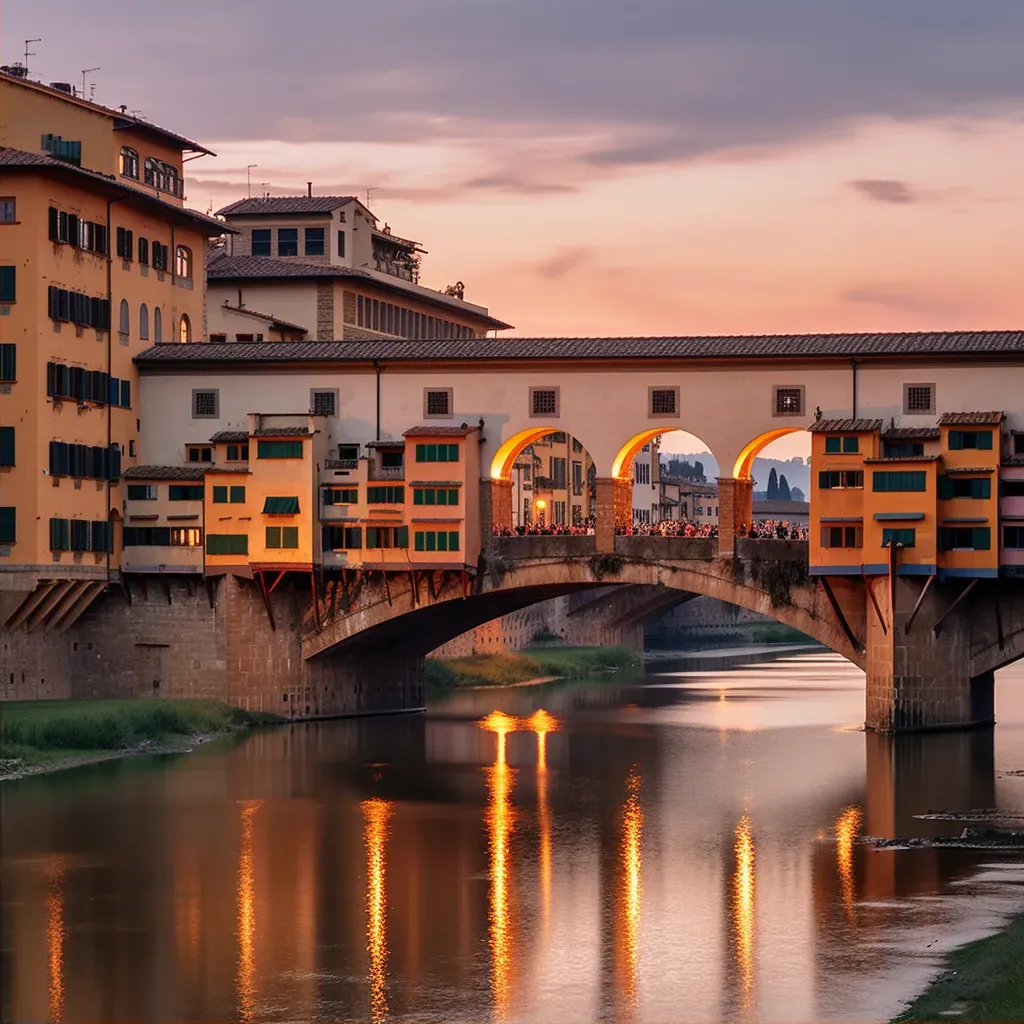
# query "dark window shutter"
(6, 446)
(62, 226)
(51, 379)
(52, 306)
(120, 242)
(73, 228)
(102, 245)
(945, 487)
(54, 225)
(8, 361)
(126, 394)
(8, 525)
(114, 391)
(115, 462)
(162, 536)
(401, 536)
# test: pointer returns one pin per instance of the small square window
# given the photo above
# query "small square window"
(261, 241)
(314, 241)
(324, 403)
(788, 401)
(918, 399)
(833, 445)
(437, 403)
(205, 404)
(7, 211)
(197, 453)
(544, 402)
(663, 401)
(287, 241)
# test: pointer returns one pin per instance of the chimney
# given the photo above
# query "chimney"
(309, 189)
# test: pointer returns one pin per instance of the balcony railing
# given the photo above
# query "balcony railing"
(387, 472)
(341, 463)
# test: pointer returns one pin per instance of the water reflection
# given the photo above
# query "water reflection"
(847, 827)
(56, 870)
(499, 829)
(743, 908)
(247, 915)
(542, 723)
(632, 834)
(376, 814)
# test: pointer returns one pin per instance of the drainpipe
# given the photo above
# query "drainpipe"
(376, 367)
(110, 354)
(853, 368)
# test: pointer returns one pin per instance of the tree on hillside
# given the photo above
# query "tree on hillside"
(796, 494)
(773, 485)
(784, 494)
(698, 470)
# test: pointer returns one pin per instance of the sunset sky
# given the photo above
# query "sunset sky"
(612, 168)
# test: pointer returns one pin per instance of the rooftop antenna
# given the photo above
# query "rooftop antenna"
(87, 71)
(369, 192)
(30, 53)
(248, 179)
(265, 189)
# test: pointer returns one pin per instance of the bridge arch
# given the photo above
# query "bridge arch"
(623, 461)
(745, 460)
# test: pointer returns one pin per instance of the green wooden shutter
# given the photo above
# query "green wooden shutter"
(418, 540)
(982, 538)
(238, 495)
(220, 495)
(7, 284)
(290, 537)
(273, 536)
(401, 536)
(371, 537)
(6, 446)
(956, 440)
(945, 487)
(8, 523)
(8, 363)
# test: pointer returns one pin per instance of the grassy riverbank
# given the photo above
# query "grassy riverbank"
(46, 735)
(983, 981)
(504, 669)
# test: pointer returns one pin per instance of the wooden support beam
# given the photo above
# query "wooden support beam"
(316, 602)
(210, 589)
(190, 588)
(465, 583)
(53, 598)
(874, 603)
(266, 598)
(893, 567)
(938, 622)
(999, 624)
(167, 587)
(387, 586)
(839, 612)
(431, 585)
(76, 609)
(413, 587)
(920, 601)
(28, 605)
(278, 578)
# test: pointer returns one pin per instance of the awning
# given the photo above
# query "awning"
(281, 506)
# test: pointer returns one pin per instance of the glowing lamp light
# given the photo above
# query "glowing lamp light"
(541, 503)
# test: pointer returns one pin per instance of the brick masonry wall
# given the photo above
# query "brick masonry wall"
(325, 310)
(349, 307)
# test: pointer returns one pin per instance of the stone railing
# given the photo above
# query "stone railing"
(341, 463)
(656, 548)
(544, 545)
(765, 550)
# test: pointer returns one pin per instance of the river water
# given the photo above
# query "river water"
(680, 846)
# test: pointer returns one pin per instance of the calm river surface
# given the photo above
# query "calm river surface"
(678, 847)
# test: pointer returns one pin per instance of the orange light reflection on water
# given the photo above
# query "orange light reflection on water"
(743, 906)
(632, 835)
(542, 723)
(55, 931)
(375, 832)
(246, 916)
(847, 827)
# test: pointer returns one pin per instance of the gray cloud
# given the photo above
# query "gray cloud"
(885, 191)
(938, 302)
(657, 80)
(563, 262)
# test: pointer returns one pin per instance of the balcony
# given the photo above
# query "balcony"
(387, 472)
(341, 463)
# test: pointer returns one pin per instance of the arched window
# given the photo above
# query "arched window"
(185, 331)
(183, 261)
(152, 168)
(172, 183)
(144, 252)
(158, 326)
(129, 162)
(124, 320)
(144, 322)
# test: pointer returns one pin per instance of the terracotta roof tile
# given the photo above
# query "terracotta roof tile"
(285, 204)
(283, 432)
(962, 470)
(911, 434)
(845, 426)
(164, 473)
(970, 419)
(230, 435)
(426, 431)
(905, 458)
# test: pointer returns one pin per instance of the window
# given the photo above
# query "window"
(282, 537)
(387, 536)
(7, 446)
(7, 211)
(220, 495)
(144, 252)
(964, 487)
(261, 241)
(185, 329)
(185, 492)
(892, 450)
(146, 536)
(964, 440)
(341, 243)
(341, 495)
(1013, 488)
(437, 403)
(8, 286)
(841, 537)
(340, 538)
(8, 524)
(1013, 536)
(663, 401)
(129, 162)
(95, 462)
(151, 170)
(844, 445)
(238, 453)
(8, 362)
(392, 460)
(324, 403)
(315, 242)
(125, 244)
(124, 321)
(543, 401)
(287, 241)
(436, 540)
(159, 255)
(278, 449)
(199, 453)
(158, 325)
(435, 496)
(205, 404)
(227, 544)
(60, 535)
(183, 261)
(186, 537)
(142, 492)
(956, 538)
(918, 399)
(788, 401)
(835, 479)
(1018, 444)
(908, 480)
(144, 322)
(898, 538)
(236, 495)
(385, 495)
(558, 478)
(437, 453)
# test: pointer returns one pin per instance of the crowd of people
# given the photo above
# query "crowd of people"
(771, 529)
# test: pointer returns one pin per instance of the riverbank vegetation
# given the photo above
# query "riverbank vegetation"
(983, 981)
(504, 668)
(40, 734)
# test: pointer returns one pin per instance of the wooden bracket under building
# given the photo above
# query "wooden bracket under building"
(210, 589)
(874, 604)
(316, 602)
(266, 598)
(938, 622)
(999, 624)
(920, 601)
(839, 613)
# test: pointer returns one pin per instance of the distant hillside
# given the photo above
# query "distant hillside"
(796, 471)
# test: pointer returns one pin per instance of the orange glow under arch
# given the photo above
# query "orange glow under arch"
(506, 455)
(745, 459)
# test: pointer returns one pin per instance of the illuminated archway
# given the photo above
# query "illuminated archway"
(505, 457)
(745, 459)
(623, 462)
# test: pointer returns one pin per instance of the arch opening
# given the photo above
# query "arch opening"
(744, 464)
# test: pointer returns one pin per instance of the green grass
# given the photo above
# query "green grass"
(42, 732)
(503, 669)
(983, 981)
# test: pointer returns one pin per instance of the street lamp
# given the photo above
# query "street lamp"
(540, 504)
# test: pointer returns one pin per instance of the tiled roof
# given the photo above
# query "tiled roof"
(164, 473)
(268, 317)
(970, 419)
(911, 434)
(845, 426)
(285, 204)
(396, 443)
(796, 346)
(239, 470)
(283, 432)
(437, 483)
(21, 158)
(247, 268)
(905, 458)
(231, 436)
(425, 431)
(961, 470)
